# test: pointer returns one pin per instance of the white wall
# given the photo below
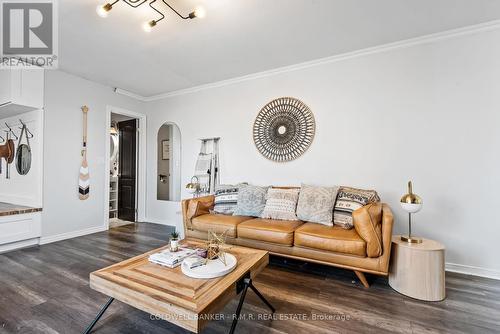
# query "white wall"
(427, 113)
(24, 189)
(63, 212)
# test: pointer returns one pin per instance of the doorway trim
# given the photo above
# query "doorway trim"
(141, 162)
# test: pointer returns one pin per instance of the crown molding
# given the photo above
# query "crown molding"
(431, 38)
(130, 94)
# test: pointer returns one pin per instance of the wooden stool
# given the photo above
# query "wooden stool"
(417, 270)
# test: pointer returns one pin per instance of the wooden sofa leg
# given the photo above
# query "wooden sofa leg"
(362, 278)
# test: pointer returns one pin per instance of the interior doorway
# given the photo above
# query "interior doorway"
(168, 183)
(123, 176)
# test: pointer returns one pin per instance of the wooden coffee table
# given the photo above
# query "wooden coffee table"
(172, 296)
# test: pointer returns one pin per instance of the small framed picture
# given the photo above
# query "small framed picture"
(165, 149)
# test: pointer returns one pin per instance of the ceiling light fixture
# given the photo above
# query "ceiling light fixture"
(103, 11)
(148, 26)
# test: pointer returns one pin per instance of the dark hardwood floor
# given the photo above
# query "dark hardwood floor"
(45, 290)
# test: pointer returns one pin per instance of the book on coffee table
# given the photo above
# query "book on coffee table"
(194, 261)
(171, 259)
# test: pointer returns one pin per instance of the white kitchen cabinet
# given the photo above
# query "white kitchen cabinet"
(21, 90)
(18, 231)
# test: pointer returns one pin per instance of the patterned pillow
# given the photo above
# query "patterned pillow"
(348, 200)
(251, 201)
(281, 204)
(226, 197)
(316, 204)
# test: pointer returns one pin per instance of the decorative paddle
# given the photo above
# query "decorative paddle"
(84, 179)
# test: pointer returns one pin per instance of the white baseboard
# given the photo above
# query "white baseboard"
(159, 222)
(18, 245)
(471, 270)
(71, 235)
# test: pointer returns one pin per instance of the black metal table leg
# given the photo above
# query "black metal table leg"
(247, 282)
(99, 315)
(238, 309)
(261, 297)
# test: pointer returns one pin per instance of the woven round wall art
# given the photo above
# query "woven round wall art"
(284, 129)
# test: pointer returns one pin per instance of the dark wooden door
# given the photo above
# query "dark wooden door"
(127, 170)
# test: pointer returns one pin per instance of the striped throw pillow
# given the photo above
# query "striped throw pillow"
(348, 200)
(226, 198)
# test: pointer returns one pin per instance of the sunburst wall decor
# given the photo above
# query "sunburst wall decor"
(284, 129)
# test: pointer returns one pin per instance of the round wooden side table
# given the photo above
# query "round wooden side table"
(417, 270)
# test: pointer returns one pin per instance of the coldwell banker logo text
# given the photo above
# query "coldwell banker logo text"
(29, 33)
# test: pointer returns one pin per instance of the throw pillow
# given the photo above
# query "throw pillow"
(281, 204)
(251, 201)
(226, 198)
(316, 204)
(348, 200)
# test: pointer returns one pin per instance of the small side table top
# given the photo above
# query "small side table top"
(417, 270)
(425, 245)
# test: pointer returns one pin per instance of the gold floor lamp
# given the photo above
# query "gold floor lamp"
(411, 203)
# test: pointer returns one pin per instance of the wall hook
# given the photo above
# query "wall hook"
(28, 132)
(10, 131)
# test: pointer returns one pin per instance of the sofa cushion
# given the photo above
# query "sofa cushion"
(251, 201)
(368, 223)
(218, 223)
(333, 239)
(348, 200)
(316, 204)
(275, 231)
(281, 204)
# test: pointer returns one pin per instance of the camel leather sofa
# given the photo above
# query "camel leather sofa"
(364, 249)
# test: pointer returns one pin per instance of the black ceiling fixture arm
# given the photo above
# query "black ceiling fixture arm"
(134, 3)
(176, 12)
(156, 10)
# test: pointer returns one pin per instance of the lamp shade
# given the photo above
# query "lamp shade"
(411, 208)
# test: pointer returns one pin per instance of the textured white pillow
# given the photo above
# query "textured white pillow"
(316, 204)
(281, 204)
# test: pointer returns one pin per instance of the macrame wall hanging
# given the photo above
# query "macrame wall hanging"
(207, 166)
(284, 129)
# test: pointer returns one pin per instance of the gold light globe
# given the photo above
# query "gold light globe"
(411, 203)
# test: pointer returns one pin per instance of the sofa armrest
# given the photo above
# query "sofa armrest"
(373, 223)
(387, 225)
(368, 224)
(194, 207)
